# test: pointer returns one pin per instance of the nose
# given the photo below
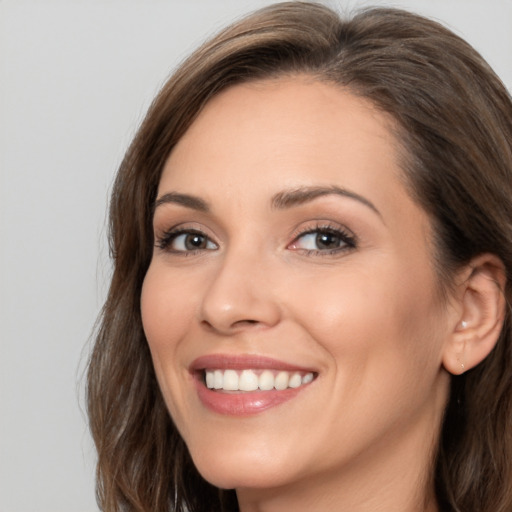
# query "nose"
(239, 296)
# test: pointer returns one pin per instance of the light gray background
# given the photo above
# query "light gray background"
(76, 77)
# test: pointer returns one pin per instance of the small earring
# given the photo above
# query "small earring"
(463, 324)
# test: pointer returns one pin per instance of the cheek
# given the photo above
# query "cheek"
(166, 314)
(381, 335)
(378, 321)
(165, 320)
(165, 311)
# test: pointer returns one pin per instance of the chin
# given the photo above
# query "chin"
(240, 469)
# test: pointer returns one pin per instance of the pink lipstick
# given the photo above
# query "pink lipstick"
(247, 384)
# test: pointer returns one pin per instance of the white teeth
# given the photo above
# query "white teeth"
(281, 381)
(307, 378)
(230, 380)
(295, 380)
(210, 380)
(218, 379)
(249, 380)
(266, 380)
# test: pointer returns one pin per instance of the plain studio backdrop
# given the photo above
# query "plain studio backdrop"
(76, 77)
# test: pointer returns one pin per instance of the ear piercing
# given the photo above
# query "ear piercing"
(463, 325)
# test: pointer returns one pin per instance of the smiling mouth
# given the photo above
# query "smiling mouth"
(241, 385)
(248, 380)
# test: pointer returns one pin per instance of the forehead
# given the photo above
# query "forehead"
(289, 132)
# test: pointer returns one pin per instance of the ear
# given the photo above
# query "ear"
(480, 314)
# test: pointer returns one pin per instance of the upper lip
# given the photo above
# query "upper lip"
(243, 362)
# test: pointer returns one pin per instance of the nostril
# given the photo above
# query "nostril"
(239, 324)
(245, 322)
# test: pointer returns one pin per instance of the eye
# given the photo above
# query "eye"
(326, 240)
(186, 241)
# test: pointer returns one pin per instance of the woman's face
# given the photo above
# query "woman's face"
(293, 272)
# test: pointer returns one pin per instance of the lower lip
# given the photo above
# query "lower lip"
(244, 403)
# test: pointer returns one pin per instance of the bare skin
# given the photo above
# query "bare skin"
(283, 230)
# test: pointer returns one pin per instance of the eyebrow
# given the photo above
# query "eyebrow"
(193, 202)
(298, 196)
(280, 201)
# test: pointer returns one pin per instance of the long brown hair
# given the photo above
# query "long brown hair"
(454, 135)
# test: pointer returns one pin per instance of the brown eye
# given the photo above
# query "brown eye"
(323, 240)
(328, 241)
(187, 241)
(193, 241)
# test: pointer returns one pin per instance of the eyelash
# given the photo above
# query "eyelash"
(345, 237)
(164, 242)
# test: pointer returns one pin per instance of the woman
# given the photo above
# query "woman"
(310, 304)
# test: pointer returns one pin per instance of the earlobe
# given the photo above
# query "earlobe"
(482, 312)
